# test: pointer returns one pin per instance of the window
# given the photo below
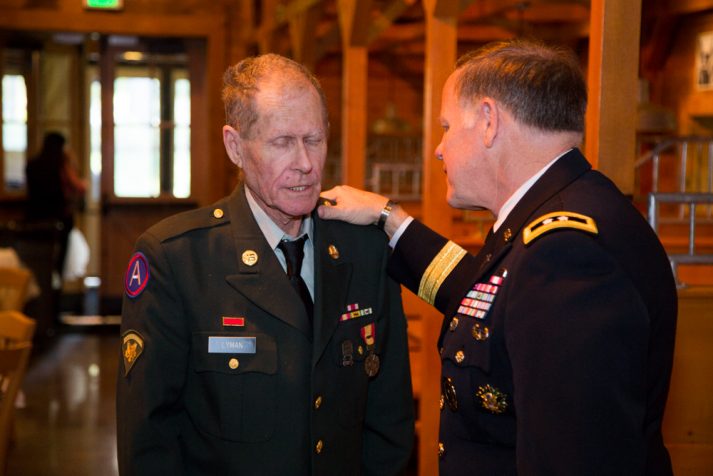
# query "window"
(152, 132)
(14, 130)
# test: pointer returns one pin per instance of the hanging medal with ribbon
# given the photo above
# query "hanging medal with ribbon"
(371, 363)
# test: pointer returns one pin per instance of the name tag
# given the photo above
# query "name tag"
(231, 345)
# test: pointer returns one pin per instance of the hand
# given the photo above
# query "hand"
(360, 208)
(352, 205)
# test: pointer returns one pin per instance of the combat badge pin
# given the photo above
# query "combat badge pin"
(132, 345)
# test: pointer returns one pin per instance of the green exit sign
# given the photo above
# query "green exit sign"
(104, 4)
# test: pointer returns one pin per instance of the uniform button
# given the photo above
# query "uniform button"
(440, 351)
(460, 356)
(441, 450)
(318, 402)
(318, 447)
(218, 213)
(454, 324)
(441, 402)
(233, 363)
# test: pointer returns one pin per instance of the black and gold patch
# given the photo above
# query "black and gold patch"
(132, 345)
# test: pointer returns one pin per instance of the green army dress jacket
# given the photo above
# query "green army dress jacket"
(222, 372)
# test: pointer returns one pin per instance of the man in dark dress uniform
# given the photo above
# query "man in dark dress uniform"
(557, 342)
(258, 339)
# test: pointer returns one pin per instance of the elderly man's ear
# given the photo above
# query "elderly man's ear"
(232, 142)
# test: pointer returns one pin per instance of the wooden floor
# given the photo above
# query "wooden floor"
(67, 425)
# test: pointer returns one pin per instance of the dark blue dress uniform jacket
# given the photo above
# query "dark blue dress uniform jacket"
(566, 370)
(290, 408)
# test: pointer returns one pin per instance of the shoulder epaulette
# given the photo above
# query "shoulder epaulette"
(187, 221)
(556, 221)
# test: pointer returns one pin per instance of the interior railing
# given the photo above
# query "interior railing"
(681, 177)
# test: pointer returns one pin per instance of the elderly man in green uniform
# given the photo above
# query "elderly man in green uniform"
(257, 338)
(557, 343)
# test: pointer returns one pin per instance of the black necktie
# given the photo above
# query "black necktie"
(294, 253)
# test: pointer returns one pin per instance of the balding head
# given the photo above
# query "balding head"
(242, 82)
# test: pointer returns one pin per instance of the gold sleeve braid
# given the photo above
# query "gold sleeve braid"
(438, 270)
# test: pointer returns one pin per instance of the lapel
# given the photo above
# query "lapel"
(563, 172)
(332, 280)
(264, 280)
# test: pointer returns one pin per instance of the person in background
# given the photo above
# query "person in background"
(558, 337)
(54, 189)
(257, 338)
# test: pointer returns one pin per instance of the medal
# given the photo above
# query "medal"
(371, 364)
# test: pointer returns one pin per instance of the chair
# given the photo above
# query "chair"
(16, 331)
(14, 283)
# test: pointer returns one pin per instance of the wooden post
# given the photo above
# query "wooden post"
(610, 141)
(441, 51)
(354, 20)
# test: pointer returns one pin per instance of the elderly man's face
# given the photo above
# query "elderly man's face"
(282, 160)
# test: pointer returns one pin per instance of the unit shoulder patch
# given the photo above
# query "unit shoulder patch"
(557, 221)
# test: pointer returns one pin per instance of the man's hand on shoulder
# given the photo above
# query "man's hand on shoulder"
(359, 207)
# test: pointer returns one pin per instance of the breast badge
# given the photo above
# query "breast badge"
(492, 399)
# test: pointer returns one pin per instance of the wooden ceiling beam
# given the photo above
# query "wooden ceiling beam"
(302, 26)
(354, 20)
(681, 7)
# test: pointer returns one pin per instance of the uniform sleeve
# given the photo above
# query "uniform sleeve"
(576, 333)
(149, 406)
(389, 423)
(421, 252)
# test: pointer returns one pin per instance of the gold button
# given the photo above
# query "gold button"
(249, 257)
(441, 450)
(460, 356)
(218, 213)
(454, 324)
(318, 447)
(441, 402)
(360, 350)
(233, 363)
(318, 402)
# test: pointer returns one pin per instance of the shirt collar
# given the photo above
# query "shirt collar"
(273, 233)
(520, 192)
